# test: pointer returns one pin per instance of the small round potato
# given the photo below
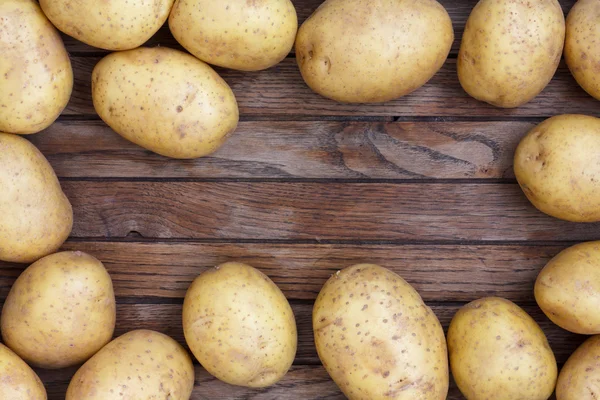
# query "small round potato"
(510, 50)
(36, 78)
(110, 25)
(238, 34)
(36, 215)
(164, 100)
(582, 49)
(18, 381)
(497, 351)
(358, 51)
(377, 339)
(579, 379)
(60, 311)
(557, 166)
(240, 326)
(568, 289)
(141, 365)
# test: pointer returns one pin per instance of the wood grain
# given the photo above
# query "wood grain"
(280, 92)
(299, 149)
(458, 10)
(166, 318)
(311, 211)
(165, 270)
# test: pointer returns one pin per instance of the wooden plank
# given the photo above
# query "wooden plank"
(166, 318)
(299, 149)
(281, 92)
(322, 211)
(165, 270)
(458, 10)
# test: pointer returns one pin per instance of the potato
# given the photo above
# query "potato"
(582, 52)
(497, 351)
(36, 215)
(568, 289)
(68, 297)
(36, 78)
(510, 50)
(165, 101)
(110, 25)
(238, 34)
(360, 52)
(377, 339)
(557, 166)
(579, 378)
(19, 382)
(140, 365)
(239, 325)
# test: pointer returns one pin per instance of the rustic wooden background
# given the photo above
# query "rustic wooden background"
(422, 185)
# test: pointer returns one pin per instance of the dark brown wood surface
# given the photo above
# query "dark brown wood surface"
(422, 185)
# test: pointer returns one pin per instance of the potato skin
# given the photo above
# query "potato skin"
(240, 326)
(164, 100)
(36, 78)
(360, 51)
(141, 364)
(19, 382)
(568, 289)
(36, 215)
(556, 165)
(510, 50)
(110, 25)
(238, 34)
(69, 298)
(497, 351)
(582, 52)
(579, 378)
(377, 339)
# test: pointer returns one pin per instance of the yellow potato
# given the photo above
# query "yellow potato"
(60, 311)
(240, 326)
(356, 51)
(568, 289)
(557, 166)
(36, 78)
(165, 101)
(497, 351)
(510, 50)
(139, 365)
(36, 216)
(18, 381)
(110, 25)
(582, 52)
(377, 339)
(239, 34)
(579, 379)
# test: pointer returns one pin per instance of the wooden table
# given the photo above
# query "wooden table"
(422, 185)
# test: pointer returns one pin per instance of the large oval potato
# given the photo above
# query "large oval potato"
(377, 339)
(358, 52)
(497, 351)
(110, 25)
(68, 297)
(19, 382)
(582, 52)
(140, 365)
(164, 100)
(510, 50)
(36, 216)
(239, 325)
(36, 78)
(557, 166)
(579, 378)
(568, 289)
(239, 34)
